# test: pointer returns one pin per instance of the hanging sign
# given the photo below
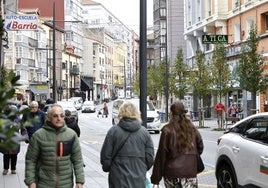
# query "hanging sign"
(21, 22)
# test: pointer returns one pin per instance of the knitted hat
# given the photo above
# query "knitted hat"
(67, 113)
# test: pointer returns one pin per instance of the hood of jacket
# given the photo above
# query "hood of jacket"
(129, 124)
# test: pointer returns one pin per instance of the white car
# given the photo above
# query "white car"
(78, 102)
(69, 105)
(242, 154)
(88, 106)
(153, 119)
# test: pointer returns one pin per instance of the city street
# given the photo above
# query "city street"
(93, 131)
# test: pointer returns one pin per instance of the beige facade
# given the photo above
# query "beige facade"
(233, 18)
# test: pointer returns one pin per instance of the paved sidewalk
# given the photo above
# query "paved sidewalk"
(95, 177)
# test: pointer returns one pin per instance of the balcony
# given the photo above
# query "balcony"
(74, 70)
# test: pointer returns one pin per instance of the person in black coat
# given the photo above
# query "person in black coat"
(71, 122)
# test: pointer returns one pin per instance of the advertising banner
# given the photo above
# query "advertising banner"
(20, 22)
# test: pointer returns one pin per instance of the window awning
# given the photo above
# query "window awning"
(86, 83)
(39, 89)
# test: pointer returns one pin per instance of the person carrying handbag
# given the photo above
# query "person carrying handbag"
(127, 152)
(176, 158)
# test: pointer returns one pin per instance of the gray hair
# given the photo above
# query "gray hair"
(129, 110)
(34, 103)
(49, 110)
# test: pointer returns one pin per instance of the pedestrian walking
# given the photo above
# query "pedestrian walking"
(127, 152)
(34, 113)
(10, 160)
(54, 155)
(220, 111)
(10, 156)
(233, 110)
(71, 122)
(105, 110)
(176, 157)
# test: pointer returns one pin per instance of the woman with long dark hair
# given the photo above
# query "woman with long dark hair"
(179, 144)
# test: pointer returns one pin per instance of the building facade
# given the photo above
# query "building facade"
(233, 18)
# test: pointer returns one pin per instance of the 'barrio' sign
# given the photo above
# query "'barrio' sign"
(215, 39)
(17, 22)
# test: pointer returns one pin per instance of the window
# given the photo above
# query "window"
(63, 66)
(257, 130)
(162, 12)
(249, 24)
(163, 52)
(237, 33)
(266, 22)
(69, 35)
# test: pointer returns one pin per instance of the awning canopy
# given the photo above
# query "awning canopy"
(87, 83)
(39, 89)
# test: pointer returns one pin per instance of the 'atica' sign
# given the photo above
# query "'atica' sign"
(215, 39)
(21, 22)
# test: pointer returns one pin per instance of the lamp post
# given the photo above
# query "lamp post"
(54, 88)
(143, 62)
(54, 54)
(166, 79)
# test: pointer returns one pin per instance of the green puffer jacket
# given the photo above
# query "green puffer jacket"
(52, 156)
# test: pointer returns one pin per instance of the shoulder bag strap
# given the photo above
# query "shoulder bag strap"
(120, 146)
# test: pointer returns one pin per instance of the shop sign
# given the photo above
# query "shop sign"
(18, 22)
(215, 39)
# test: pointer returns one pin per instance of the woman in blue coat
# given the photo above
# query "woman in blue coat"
(127, 152)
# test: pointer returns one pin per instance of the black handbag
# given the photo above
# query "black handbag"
(200, 164)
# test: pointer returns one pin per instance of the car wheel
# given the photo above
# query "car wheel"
(225, 177)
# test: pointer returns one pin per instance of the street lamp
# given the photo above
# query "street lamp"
(54, 88)
(143, 62)
(166, 79)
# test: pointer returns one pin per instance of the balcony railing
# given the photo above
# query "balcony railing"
(74, 70)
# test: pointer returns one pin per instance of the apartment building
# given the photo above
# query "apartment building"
(168, 29)
(115, 34)
(234, 19)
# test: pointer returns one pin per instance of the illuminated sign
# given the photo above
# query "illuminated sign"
(17, 22)
(215, 39)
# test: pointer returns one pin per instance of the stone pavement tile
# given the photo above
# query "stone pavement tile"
(207, 179)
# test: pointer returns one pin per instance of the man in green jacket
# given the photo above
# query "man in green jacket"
(54, 155)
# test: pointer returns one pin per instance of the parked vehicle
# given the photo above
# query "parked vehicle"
(153, 119)
(88, 106)
(69, 105)
(78, 102)
(242, 154)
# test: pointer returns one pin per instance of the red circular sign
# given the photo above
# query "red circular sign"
(105, 86)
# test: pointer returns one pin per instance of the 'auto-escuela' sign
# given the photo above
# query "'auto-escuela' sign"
(215, 39)
(17, 22)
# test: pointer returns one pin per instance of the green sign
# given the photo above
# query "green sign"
(215, 39)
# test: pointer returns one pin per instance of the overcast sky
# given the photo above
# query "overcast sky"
(128, 11)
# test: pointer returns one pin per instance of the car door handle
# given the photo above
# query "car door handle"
(264, 159)
(235, 149)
